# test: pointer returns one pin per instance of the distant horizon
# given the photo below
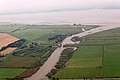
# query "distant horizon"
(43, 6)
(93, 16)
(60, 11)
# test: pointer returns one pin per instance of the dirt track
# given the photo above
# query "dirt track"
(54, 58)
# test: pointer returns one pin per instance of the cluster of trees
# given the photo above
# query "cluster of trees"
(35, 50)
(28, 49)
(14, 44)
(65, 56)
(17, 43)
(58, 38)
(76, 38)
(77, 24)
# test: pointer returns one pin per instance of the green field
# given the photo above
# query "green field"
(36, 33)
(86, 62)
(17, 61)
(89, 58)
(98, 56)
(41, 33)
(75, 73)
(111, 65)
(9, 72)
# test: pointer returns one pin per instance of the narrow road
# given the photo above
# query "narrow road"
(54, 58)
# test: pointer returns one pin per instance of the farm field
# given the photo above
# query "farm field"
(9, 28)
(37, 48)
(97, 57)
(17, 61)
(111, 65)
(86, 62)
(41, 33)
(6, 39)
(7, 51)
(9, 72)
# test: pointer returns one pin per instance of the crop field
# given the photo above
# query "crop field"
(111, 65)
(86, 62)
(41, 33)
(6, 39)
(97, 57)
(9, 72)
(17, 61)
(9, 28)
(7, 51)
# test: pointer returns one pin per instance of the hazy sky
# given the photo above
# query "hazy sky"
(60, 11)
(34, 6)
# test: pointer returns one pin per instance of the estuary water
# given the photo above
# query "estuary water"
(93, 16)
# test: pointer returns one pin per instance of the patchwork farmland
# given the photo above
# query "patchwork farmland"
(98, 56)
(35, 51)
(95, 57)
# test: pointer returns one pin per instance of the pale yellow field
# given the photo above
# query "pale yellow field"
(6, 39)
(7, 51)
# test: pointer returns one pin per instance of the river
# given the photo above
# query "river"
(54, 58)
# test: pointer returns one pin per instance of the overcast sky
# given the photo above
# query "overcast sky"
(36, 6)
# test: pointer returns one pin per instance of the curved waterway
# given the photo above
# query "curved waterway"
(54, 58)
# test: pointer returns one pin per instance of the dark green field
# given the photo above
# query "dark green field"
(97, 57)
(111, 65)
(10, 72)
